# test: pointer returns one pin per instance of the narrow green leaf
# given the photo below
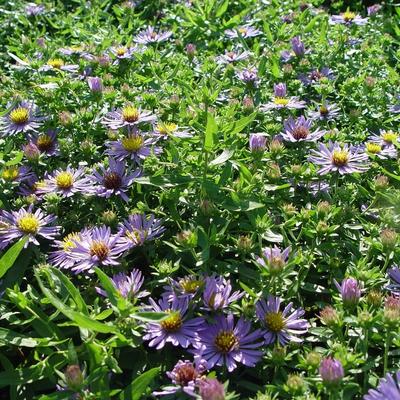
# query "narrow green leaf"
(223, 157)
(149, 316)
(8, 259)
(137, 388)
(211, 130)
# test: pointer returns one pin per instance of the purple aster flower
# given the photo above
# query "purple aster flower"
(317, 75)
(231, 57)
(65, 182)
(331, 371)
(257, 143)
(227, 343)
(129, 116)
(165, 130)
(58, 64)
(211, 389)
(374, 9)
(274, 259)
(298, 46)
(24, 117)
(394, 275)
(350, 291)
(286, 56)
(245, 31)
(385, 138)
(24, 222)
(114, 180)
(17, 174)
(32, 9)
(339, 157)
(46, 142)
(298, 130)
(281, 326)
(175, 328)
(388, 388)
(249, 76)
(184, 377)
(123, 53)
(95, 247)
(72, 51)
(150, 36)
(382, 152)
(348, 18)
(138, 229)
(95, 84)
(281, 100)
(187, 286)
(325, 112)
(134, 147)
(217, 293)
(127, 285)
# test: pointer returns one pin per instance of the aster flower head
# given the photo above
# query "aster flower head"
(349, 290)
(274, 259)
(166, 130)
(232, 56)
(227, 343)
(45, 142)
(374, 9)
(342, 158)
(188, 286)
(26, 222)
(17, 174)
(331, 371)
(386, 138)
(281, 100)
(281, 326)
(58, 64)
(95, 84)
(138, 229)
(113, 180)
(175, 328)
(325, 112)
(93, 248)
(382, 152)
(32, 9)
(129, 116)
(184, 378)
(299, 130)
(65, 182)
(388, 388)
(394, 275)
(316, 76)
(150, 36)
(348, 18)
(249, 76)
(127, 285)
(211, 389)
(23, 117)
(245, 31)
(257, 143)
(298, 46)
(217, 293)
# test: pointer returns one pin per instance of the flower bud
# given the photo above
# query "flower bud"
(211, 389)
(31, 152)
(244, 244)
(388, 239)
(74, 377)
(392, 310)
(248, 104)
(109, 218)
(187, 238)
(374, 298)
(295, 384)
(381, 182)
(95, 84)
(323, 208)
(257, 143)
(191, 50)
(276, 147)
(329, 316)
(313, 359)
(350, 291)
(331, 371)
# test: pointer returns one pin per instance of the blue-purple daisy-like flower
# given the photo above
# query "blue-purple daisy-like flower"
(349, 290)
(281, 326)
(386, 138)
(175, 328)
(65, 182)
(128, 116)
(249, 76)
(32, 9)
(231, 57)
(325, 112)
(298, 46)
(17, 174)
(165, 130)
(281, 100)
(113, 180)
(388, 388)
(217, 293)
(382, 152)
(394, 275)
(257, 142)
(273, 258)
(95, 247)
(348, 18)
(188, 286)
(127, 285)
(26, 222)
(150, 36)
(23, 117)
(342, 158)
(58, 64)
(245, 31)
(299, 130)
(184, 378)
(45, 142)
(225, 342)
(316, 76)
(138, 229)
(134, 147)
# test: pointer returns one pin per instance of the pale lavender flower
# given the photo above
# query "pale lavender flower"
(57, 64)
(281, 326)
(122, 53)
(95, 247)
(325, 112)
(231, 57)
(257, 143)
(166, 130)
(23, 117)
(350, 291)
(217, 293)
(225, 342)
(138, 229)
(114, 180)
(299, 130)
(46, 142)
(71, 51)
(95, 84)
(298, 46)
(316, 76)
(281, 100)
(32, 9)
(382, 152)
(25, 222)
(188, 286)
(150, 36)
(331, 371)
(374, 9)
(348, 18)
(394, 275)
(211, 389)
(175, 328)
(245, 31)
(342, 158)
(249, 76)
(386, 138)
(128, 116)
(17, 174)
(273, 258)
(388, 388)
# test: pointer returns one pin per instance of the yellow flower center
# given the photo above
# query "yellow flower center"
(243, 30)
(69, 241)
(226, 341)
(166, 128)
(130, 114)
(274, 321)
(19, 116)
(10, 174)
(121, 51)
(132, 143)
(373, 148)
(28, 224)
(281, 101)
(349, 16)
(44, 142)
(64, 180)
(173, 322)
(135, 236)
(190, 286)
(340, 157)
(56, 63)
(389, 137)
(323, 110)
(99, 249)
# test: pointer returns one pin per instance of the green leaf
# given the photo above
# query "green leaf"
(9, 337)
(10, 256)
(138, 387)
(149, 316)
(221, 10)
(211, 130)
(237, 126)
(223, 157)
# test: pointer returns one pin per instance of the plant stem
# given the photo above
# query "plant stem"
(386, 354)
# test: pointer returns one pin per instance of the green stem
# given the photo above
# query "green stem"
(386, 354)
(366, 372)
